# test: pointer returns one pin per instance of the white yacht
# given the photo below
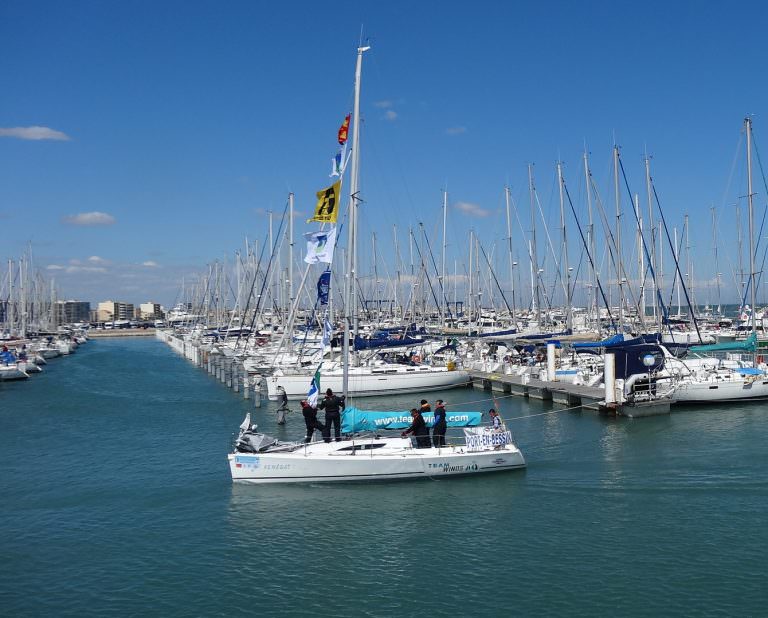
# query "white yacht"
(261, 459)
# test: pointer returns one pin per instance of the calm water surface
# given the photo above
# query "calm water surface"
(115, 499)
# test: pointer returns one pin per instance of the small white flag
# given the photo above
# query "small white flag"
(327, 331)
(314, 388)
(320, 246)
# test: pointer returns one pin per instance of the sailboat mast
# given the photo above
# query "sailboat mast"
(509, 252)
(591, 241)
(350, 307)
(753, 292)
(652, 228)
(534, 264)
(566, 269)
(290, 250)
(618, 235)
(442, 265)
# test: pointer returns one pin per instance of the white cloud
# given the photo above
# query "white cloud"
(54, 267)
(95, 259)
(455, 130)
(34, 133)
(390, 115)
(472, 210)
(150, 264)
(90, 218)
(385, 104)
(86, 269)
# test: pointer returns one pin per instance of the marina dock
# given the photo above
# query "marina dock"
(565, 393)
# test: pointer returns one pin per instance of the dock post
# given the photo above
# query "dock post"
(257, 393)
(236, 377)
(230, 368)
(246, 385)
(609, 376)
(552, 374)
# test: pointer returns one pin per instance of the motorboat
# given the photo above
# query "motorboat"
(258, 458)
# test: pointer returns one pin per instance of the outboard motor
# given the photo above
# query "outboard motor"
(251, 442)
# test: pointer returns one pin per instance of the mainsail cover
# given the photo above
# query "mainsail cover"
(748, 345)
(354, 419)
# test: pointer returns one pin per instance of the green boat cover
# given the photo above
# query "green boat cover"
(748, 345)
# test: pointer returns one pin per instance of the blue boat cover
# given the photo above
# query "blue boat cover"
(354, 419)
(599, 344)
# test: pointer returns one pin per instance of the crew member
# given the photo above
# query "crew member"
(419, 429)
(438, 429)
(495, 419)
(333, 406)
(310, 419)
(424, 407)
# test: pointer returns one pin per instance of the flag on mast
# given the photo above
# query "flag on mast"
(314, 388)
(320, 246)
(344, 130)
(326, 209)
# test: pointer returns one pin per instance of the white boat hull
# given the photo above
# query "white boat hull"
(396, 459)
(721, 390)
(369, 383)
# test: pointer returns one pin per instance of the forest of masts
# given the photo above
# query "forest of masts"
(615, 255)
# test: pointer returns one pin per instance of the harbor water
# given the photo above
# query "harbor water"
(115, 499)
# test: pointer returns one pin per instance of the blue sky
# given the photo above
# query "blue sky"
(182, 123)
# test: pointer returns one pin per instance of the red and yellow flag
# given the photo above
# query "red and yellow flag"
(344, 130)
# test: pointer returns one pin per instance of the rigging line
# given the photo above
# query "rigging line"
(438, 275)
(677, 264)
(495, 279)
(642, 238)
(589, 256)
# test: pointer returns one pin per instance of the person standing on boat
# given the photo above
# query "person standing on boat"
(310, 419)
(495, 419)
(282, 397)
(440, 425)
(333, 406)
(424, 407)
(419, 429)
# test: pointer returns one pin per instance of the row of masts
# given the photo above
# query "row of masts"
(27, 298)
(636, 294)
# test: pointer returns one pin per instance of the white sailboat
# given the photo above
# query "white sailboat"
(257, 458)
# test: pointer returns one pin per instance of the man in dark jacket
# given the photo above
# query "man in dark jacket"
(333, 406)
(419, 429)
(424, 407)
(438, 429)
(310, 419)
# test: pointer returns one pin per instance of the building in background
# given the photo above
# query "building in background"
(110, 310)
(150, 311)
(71, 311)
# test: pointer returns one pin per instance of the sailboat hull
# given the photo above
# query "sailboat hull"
(365, 382)
(358, 460)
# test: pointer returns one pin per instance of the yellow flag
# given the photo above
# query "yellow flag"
(327, 208)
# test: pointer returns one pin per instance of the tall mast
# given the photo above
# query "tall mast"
(717, 265)
(591, 240)
(509, 251)
(566, 270)
(290, 250)
(640, 258)
(442, 266)
(752, 291)
(350, 307)
(618, 235)
(652, 229)
(534, 264)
